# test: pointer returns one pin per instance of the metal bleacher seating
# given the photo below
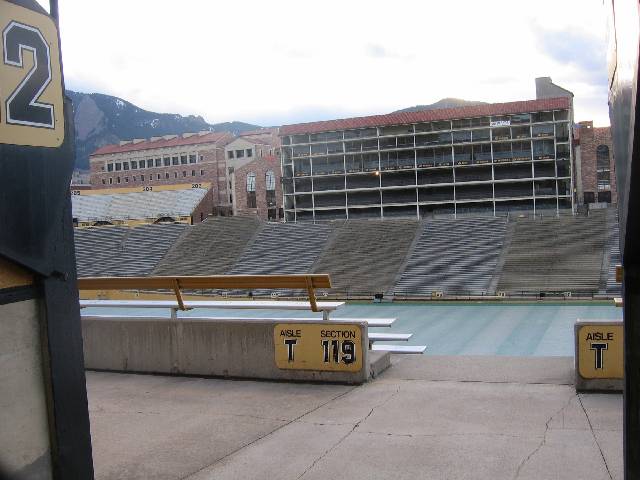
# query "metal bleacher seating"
(454, 256)
(286, 248)
(365, 256)
(136, 205)
(555, 254)
(209, 248)
(613, 252)
(123, 251)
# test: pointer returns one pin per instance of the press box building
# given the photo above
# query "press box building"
(486, 159)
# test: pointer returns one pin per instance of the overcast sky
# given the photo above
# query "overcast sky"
(276, 62)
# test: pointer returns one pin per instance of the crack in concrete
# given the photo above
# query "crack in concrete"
(443, 434)
(488, 382)
(595, 439)
(544, 438)
(344, 437)
(248, 444)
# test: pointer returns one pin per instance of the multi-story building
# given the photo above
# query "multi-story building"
(254, 174)
(595, 168)
(485, 159)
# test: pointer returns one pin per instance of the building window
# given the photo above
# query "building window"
(270, 182)
(125, 166)
(201, 173)
(184, 173)
(183, 160)
(230, 154)
(110, 167)
(103, 181)
(175, 174)
(134, 178)
(166, 175)
(175, 160)
(118, 167)
(126, 179)
(142, 178)
(166, 161)
(158, 176)
(118, 180)
(110, 181)
(134, 164)
(158, 162)
(249, 152)
(603, 173)
(193, 158)
(193, 173)
(251, 190)
(239, 153)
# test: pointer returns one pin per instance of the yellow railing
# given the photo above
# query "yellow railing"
(243, 282)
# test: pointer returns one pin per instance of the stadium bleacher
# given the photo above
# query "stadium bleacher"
(468, 256)
(365, 256)
(123, 251)
(151, 205)
(454, 257)
(612, 250)
(555, 255)
(209, 248)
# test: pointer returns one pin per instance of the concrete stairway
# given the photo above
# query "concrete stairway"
(363, 257)
(555, 254)
(454, 256)
(209, 248)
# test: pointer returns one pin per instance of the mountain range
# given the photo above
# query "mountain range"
(103, 119)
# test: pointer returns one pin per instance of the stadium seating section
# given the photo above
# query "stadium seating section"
(136, 205)
(467, 256)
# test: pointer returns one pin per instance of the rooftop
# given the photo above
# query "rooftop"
(163, 142)
(401, 118)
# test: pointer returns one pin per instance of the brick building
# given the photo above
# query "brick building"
(254, 174)
(196, 158)
(199, 158)
(595, 167)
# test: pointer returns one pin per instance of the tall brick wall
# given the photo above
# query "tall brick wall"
(259, 166)
(590, 138)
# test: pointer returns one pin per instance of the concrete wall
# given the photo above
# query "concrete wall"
(24, 427)
(242, 348)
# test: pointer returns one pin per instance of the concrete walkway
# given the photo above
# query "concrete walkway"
(426, 417)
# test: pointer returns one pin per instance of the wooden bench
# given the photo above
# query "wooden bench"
(226, 282)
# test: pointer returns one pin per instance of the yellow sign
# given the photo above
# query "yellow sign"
(31, 97)
(600, 350)
(318, 346)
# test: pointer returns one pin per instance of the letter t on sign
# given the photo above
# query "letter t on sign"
(599, 347)
(290, 344)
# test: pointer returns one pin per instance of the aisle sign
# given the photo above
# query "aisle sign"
(600, 351)
(334, 347)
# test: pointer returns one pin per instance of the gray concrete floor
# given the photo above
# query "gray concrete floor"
(426, 417)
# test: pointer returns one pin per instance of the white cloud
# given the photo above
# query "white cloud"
(285, 61)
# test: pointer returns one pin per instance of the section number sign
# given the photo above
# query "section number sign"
(318, 346)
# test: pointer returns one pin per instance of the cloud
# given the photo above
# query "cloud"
(584, 51)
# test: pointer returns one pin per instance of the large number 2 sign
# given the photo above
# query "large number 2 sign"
(31, 103)
(22, 106)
